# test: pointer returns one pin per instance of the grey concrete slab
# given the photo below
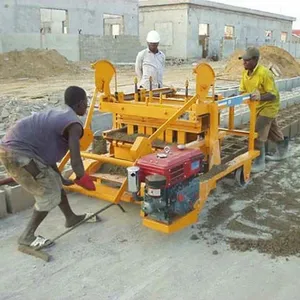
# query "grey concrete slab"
(3, 206)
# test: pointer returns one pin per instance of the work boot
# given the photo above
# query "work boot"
(281, 151)
(259, 163)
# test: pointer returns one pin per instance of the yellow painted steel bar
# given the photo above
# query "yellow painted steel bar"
(90, 112)
(231, 117)
(156, 92)
(107, 159)
(237, 132)
(213, 137)
(102, 192)
(174, 117)
(184, 125)
(197, 128)
(140, 109)
(252, 136)
(121, 191)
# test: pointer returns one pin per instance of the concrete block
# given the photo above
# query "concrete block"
(283, 103)
(224, 123)
(296, 82)
(290, 101)
(281, 85)
(238, 120)
(296, 99)
(220, 92)
(3, 206)
(286, 130)
(227, 93)
(17, 199)
(235, 91)
(289, 84)
(294, 128)
(245, 117)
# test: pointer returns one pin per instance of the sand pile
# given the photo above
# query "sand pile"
(286, 63)
(34, 63)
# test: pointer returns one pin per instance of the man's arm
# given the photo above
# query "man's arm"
(270, 88)
(82, 179)
(139, 66)
(65, 181)
(74, 135)
(267, 97)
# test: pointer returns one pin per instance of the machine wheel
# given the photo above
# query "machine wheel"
(239, 177)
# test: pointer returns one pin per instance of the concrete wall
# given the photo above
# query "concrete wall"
(65, 44)
(121, 49)
(171, 23)
(226, 47)
(76, 47)
(23, 16)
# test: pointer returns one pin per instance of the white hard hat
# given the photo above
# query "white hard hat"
(153, 37)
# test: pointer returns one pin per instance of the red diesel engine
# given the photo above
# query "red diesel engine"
(172, 182)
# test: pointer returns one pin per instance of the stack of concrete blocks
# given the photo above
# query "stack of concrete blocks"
(13, 199)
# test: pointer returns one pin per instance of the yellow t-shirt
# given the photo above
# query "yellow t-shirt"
(262, 80)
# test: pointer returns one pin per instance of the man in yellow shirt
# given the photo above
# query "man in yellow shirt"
(259, 81)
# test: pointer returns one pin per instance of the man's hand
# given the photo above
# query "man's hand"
(32, 169)
(66, 182)
(255, 96)
(86, 182)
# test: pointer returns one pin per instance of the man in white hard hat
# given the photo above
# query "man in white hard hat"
(150, 62)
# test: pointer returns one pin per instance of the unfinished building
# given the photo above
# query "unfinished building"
(86, 30)
(198, 28)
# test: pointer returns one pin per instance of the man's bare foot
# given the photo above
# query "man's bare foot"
(72, 221)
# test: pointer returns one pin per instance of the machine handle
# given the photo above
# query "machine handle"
(232, 101)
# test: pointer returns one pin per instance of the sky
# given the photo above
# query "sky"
(283, 7)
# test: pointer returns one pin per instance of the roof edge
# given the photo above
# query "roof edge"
(217, 5)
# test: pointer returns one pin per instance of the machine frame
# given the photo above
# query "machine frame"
(162, 117)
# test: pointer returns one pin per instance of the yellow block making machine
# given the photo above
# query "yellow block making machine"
(169, 144)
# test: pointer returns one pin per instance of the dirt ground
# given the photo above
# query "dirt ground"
(263, 216)
(118, 258)
(30, 88)
(245, 246)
